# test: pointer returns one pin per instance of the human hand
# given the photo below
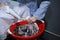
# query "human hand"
(32, 19)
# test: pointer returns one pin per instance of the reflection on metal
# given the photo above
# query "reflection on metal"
(52, 33)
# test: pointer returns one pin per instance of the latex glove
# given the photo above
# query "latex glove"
(32, 19)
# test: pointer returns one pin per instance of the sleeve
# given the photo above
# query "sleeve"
(13, 13)
(26, 13)
(22, 11)
(40, 12)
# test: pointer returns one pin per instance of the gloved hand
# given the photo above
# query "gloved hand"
(32, 19)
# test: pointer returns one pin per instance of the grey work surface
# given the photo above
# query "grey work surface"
(52, 19)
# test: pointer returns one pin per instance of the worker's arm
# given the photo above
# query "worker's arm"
(40, 13)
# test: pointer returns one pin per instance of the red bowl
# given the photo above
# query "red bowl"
(41, 25)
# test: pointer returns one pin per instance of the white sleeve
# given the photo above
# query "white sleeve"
(12, 12)
(26, 13)
(23, 11)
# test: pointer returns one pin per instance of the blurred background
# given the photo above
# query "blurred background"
(52, 19)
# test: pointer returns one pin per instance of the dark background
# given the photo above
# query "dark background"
(52, 19)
